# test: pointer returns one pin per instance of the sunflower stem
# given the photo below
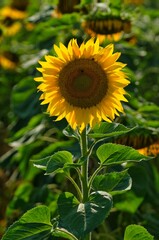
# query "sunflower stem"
(84, 168)
(84, 171)
(93, 176)
(76, 186)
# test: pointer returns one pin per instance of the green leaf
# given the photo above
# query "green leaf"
(151, 108)
(33, 225)
(55, 163)
(136, 232)
(59, 161)
(128, 202)
(81, 218)
(113, 183)
(109, 130)
(110, 154)
(41, 163)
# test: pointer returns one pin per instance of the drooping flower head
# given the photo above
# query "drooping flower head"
(83, 84)
(107, 22)
(111, 28)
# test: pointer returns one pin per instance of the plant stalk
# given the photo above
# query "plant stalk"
(84, 167)
(84, 171)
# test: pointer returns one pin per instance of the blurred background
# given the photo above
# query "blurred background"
(28, 30)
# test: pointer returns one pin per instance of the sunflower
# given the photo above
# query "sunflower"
(1, 32)
(10, 27)
(12, 13)
(11, 20)
(153, 149)
(83, 84)
(8, 60)
(108, 28)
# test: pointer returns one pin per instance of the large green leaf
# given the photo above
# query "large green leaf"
(33, 225)
(128, 202)
(81, 218)
(55, 163)
(113, 183)
(109, 130)
(59, 161)
(136, 232)
(110, 154)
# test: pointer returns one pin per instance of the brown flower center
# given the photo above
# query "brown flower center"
(83, 83)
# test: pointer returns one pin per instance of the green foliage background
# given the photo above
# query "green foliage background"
(27, 133)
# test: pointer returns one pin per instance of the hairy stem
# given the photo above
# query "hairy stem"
(84, 168)
(76, 186)
(93, 176)
(84, 171)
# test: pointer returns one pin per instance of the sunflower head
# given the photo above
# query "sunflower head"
(107, 22)
(7, 21)
(84, 84)
(10, 27)
(1, 31)
(111, 28)
(13, 13)
(9, 60)
(151, 150)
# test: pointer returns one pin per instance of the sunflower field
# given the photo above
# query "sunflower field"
(79, 120)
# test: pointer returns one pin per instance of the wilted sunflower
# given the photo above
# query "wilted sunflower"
(145, 140)
(83, 84)
(108, 28)
(153, 149)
